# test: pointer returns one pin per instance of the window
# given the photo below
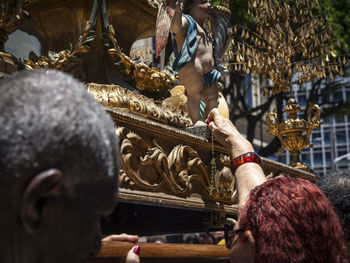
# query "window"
(341, 153)
(305, 158)
(348, 95)
(282, 158)
(302, 100)
(340, 136)
(316, 138)
(326, 137)
(328, 158)
(318, 158)
(337, 96)
(326, 120)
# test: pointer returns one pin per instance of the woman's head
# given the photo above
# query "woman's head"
(290, 220)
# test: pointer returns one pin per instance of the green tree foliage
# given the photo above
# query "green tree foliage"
(339, 18)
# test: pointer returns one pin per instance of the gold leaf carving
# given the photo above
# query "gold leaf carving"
(118, 97)
(182, 172)
(147, 79)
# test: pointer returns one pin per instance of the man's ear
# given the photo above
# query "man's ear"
(33, 206)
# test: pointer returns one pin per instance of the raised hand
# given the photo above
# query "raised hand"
(227, 134)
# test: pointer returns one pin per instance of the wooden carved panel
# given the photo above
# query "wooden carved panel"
(167, 166)
(117, 97)
(181, 171)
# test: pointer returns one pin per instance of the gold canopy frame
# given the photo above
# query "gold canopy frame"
(163, 166)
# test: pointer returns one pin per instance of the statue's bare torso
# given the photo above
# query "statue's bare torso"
(202, 62)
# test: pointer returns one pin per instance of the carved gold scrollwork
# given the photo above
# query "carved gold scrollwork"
(146, 79)
(314, 115)
(182, 172)
(272, 123)
(118, 97)
(225, 180)
(314, 122)
(273, 128)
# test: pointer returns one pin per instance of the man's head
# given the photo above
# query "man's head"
(336, 186)
(288, 220)
(58, 167)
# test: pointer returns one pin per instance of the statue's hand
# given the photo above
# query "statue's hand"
(179, 6)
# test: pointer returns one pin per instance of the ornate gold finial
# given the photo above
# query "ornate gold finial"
(294, 133)
(292, 108)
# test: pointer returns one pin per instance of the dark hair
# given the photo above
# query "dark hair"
(48, 120)
(187, 6)
(191, 239)
(292, 221)
(336, 186)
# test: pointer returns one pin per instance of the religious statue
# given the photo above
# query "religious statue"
(198, 53)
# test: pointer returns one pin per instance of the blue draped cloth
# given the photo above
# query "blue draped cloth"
(189, 46)
(211, 77)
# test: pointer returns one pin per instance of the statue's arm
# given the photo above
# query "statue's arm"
(178, 23)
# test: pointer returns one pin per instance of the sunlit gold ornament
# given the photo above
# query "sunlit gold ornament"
(294, 133)
(292, 44)
(147, 79)
(291, 40)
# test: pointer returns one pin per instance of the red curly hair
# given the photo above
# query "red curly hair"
(292, 221)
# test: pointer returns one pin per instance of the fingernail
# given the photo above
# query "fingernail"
(208, 121)
(137, 250)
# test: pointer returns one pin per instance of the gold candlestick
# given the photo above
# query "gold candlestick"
(294, 133)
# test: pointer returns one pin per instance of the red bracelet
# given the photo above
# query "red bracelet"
(250, 157)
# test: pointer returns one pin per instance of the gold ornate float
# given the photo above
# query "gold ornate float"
(163, 166)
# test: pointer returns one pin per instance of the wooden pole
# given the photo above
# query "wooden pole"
(113, 251)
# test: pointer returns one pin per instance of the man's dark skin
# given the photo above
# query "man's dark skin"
(59, 165)
(48, 224)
